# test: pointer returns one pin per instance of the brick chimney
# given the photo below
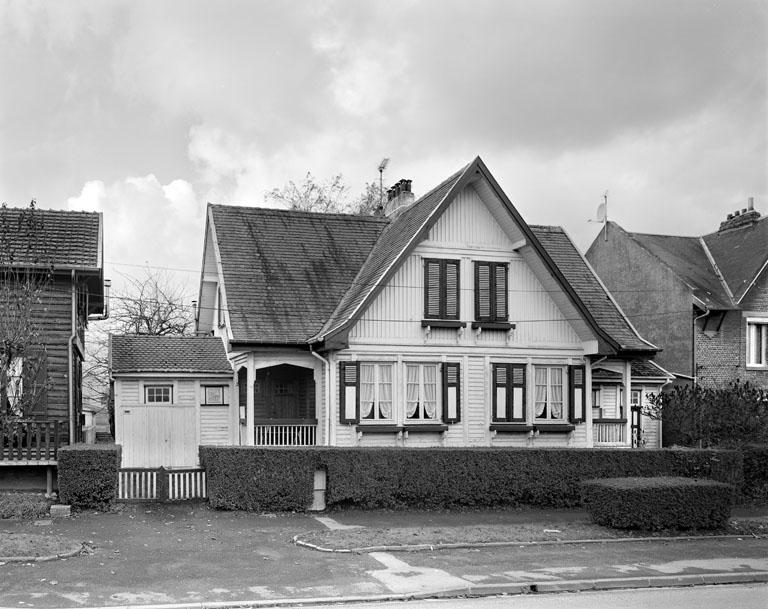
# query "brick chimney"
(740, 218)
(399, 198)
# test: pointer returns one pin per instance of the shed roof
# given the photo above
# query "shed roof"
(50, 237)
(168, 354)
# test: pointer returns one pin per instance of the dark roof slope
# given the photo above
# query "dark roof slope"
(285, 271)
(392, 242)
(588, 288)
(64, 239)
(740, 254)
(688, 259)
(168, 354)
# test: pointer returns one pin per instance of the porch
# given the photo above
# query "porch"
(31, 441)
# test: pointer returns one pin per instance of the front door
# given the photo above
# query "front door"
(637, 432)
(284, 392)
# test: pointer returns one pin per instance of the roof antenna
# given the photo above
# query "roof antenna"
(602, 215)
(382, 167)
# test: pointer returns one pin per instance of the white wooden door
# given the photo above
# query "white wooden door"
(154, 436)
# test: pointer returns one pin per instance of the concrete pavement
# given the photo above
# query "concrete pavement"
(189, 555)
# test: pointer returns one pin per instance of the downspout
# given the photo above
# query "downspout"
(70, 345)
(328, 417)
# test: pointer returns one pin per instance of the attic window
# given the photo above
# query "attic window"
(441, 289)
(491, 291)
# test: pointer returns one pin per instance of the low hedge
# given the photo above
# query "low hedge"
(281, 479)
(659, 503)
(755, 486)
(88, 474)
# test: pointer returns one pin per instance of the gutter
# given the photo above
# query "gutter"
(328, 389)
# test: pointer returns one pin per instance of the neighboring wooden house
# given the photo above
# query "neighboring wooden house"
(703, 300)
(171, 394)
(448, 321)
(59, 254)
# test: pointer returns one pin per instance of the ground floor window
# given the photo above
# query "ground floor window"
(757, 342)
(421, 392)
(214, 395)
(549, 393)
(376, 392)
(158, 394)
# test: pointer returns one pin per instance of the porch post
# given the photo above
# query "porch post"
(251, 376)
(628, 400)
(588, 401)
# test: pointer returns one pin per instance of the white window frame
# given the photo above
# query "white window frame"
(204, 387)
(147, 386)
(597, 402)
(563, 393)
(376, 415)
(420, 412)
(757, 360)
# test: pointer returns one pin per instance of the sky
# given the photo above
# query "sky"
(146, 111)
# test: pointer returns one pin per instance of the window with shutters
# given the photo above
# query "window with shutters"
(508, 393)
(491, 291)
(441, 289)
(376, 392)
(422, 392)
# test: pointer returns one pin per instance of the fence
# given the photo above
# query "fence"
(161, 484)
(28, 441)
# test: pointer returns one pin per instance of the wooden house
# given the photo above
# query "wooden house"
(703, 300)
(51, 284)
(442, 321)
(171, 394)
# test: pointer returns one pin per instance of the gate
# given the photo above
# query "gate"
(161, 484)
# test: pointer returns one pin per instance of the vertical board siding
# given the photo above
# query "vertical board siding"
(477, 406)
(158, 435)
(214, 425)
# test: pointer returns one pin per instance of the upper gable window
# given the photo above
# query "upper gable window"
(441, 289)
(491, 291)
(757, 343)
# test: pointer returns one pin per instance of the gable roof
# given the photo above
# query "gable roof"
(285, 271)
(189, 354)
(719, 267)
(298, 277)
(44, 237)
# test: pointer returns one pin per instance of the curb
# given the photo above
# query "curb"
(485, 590)
(425, 547)
(48, 558)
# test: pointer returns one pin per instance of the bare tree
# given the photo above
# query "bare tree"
(25, 278)
(330, 196)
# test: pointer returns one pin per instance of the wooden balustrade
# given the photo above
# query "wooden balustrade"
(288, 432)
(29, 441)
(609, 432)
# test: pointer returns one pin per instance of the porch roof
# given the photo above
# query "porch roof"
(163, 354)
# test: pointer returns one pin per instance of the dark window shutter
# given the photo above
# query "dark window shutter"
(451, 289)
(517, 400)
(451, 392)
(500, 292)
(349, 392)
(482, 291)
(576, 394)
(500, 399)
(432, 289)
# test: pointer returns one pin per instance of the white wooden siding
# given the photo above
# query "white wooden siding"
(154, 435)
(215, 425)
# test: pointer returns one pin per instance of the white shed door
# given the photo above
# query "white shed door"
(154, 436)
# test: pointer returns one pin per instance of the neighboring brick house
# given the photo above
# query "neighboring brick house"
(702, 300)
(444, 321)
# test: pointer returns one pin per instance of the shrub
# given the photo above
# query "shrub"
(755, 486)
(88, 474)
(254, 478)
(23, 506)
(659, 503)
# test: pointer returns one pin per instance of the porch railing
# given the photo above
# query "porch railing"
(609, 432)
(285, 432)
(28, 440)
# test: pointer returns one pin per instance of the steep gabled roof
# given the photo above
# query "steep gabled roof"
(740, 254)
(285, 271)
(688, 259)
(598, 302)
(50, 237)
(150, 354)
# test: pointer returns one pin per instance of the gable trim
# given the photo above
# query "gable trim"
(716, 268)
(754, 281)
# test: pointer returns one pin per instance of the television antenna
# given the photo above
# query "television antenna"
(382, 167)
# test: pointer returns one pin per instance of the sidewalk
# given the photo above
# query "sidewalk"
(188, 554)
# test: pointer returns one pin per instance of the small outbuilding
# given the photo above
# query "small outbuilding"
(171, 394)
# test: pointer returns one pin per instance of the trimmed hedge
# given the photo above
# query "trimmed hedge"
(755, 486)
(654, 504)
(281, 479)
(88, 474)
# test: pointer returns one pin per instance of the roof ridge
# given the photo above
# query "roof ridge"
(296, 212)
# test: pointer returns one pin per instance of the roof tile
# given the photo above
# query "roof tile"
(167, 354)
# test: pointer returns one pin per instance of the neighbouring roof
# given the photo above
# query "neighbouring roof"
(188, 354)
(285, 271)
(643, 368)
(732, 258)
(45, 237)
(298, 277)
(604, 374)
(588, 288)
